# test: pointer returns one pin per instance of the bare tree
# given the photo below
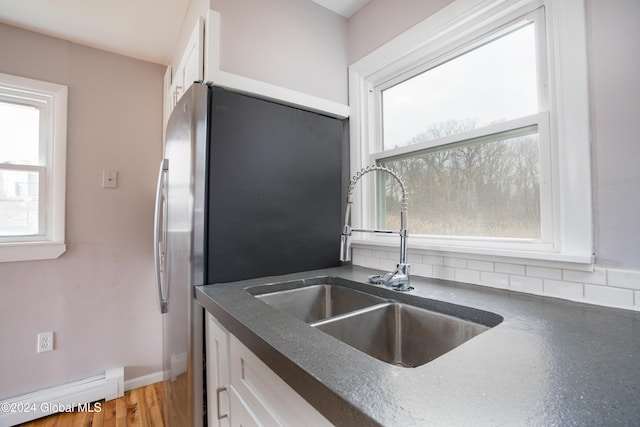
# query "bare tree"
(482, 189)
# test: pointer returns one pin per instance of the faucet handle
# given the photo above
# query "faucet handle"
(399, 278)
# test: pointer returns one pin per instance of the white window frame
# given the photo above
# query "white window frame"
(51, 99)
(567, 121)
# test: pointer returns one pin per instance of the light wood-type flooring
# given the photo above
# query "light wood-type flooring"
(141, 407)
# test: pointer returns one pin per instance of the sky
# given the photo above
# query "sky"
(19, 134)
(494, 82)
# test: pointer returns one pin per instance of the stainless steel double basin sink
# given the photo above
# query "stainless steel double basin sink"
(397, 328)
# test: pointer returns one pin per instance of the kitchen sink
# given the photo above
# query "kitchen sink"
(401, 334)
(397, 328)
(317, 302)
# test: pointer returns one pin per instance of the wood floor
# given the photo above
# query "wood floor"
(141, 407)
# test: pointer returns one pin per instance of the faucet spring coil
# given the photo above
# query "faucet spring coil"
(372, 168)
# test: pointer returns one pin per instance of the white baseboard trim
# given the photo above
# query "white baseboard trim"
(67, 397)
(41, 403)
(114, 383)
(178, 365)
(144, 380)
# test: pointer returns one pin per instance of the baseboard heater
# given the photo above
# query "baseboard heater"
(77, 394)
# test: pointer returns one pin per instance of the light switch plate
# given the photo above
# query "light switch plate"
(109, 179)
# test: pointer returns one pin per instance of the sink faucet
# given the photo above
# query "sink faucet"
(399, 278)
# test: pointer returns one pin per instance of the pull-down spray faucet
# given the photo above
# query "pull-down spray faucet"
(399, 278)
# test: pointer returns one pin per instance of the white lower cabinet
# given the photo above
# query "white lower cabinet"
(217, 349)
(242, 415)
(253, 395)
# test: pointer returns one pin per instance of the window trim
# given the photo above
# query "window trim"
(566, 63)
(52, 244)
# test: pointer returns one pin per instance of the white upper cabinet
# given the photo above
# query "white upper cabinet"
(200, 61)
(189, 70)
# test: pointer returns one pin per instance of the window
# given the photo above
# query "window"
(32, 168)
(473, 109)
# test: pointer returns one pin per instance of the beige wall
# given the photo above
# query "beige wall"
(382, 20)
(294, 44)
(99, 296)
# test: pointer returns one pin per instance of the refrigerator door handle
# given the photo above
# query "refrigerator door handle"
(160, 234)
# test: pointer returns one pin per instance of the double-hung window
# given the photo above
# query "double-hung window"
(32, 168)
(478, 111)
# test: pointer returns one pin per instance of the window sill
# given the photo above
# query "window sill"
(30, 251)
(509, 256)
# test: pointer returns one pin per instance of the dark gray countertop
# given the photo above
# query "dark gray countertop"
(550, 362)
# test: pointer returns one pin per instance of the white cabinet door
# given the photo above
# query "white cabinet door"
(272, 401)
(242, 415)
(167, 105)
(243, 391)
(190, 68)
(217, 349)
(192, 63)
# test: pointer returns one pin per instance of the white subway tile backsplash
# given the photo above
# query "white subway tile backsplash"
(387, 264)
(501, 267)
(543, 272)
(496, 280)
(467, 276)
(624, 279)
(394, 255)
(608, 296)
(414, 258)
(455, 262)
(358, 259)
(361, 251)
(597, 277)
(433, 260)
(608, 287)
(371, 262)
(422, 270)
(526, 284)
(573, 291)
(441, 272)
(474, 264)
(379, 254)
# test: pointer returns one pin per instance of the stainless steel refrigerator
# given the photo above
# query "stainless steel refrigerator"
(247, 188)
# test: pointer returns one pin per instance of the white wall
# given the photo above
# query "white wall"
(615, 113)
(295, 44)
(99, 296)
(613, 36)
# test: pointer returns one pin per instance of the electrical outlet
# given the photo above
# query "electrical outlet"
(45, 341)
